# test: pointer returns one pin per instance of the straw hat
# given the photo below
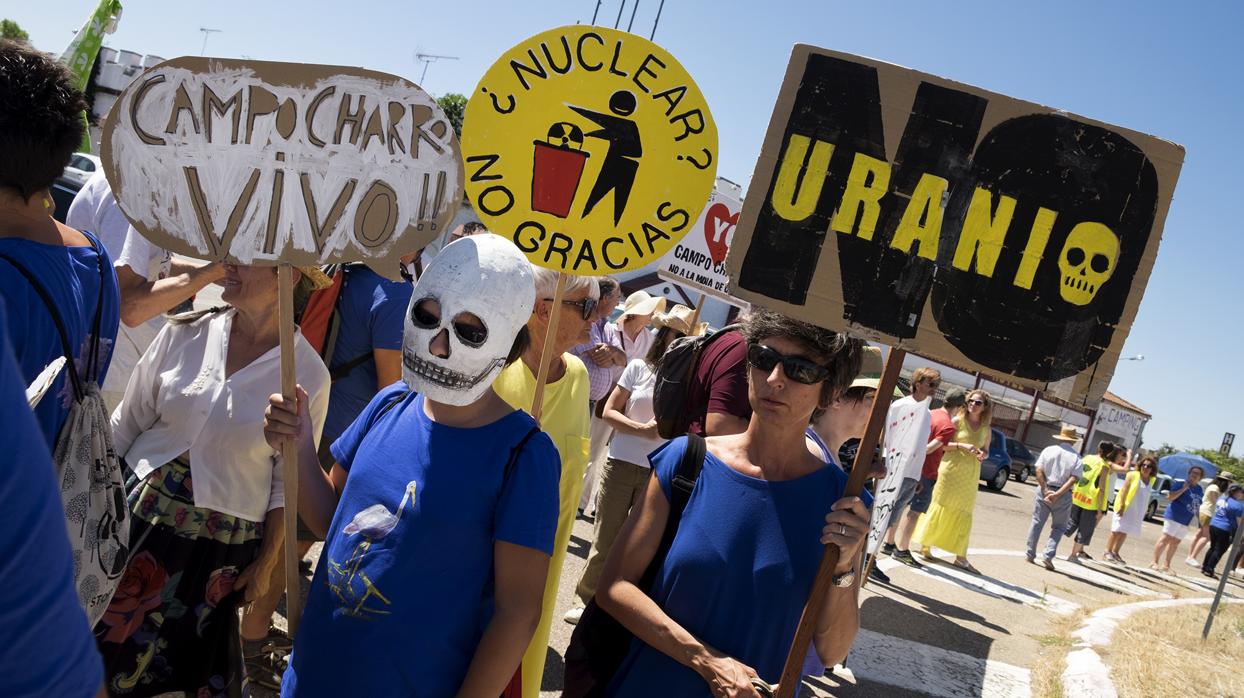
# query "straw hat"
(678, 318)
(1067, 434)
(641, 303)
(870, 371)
(316, 277)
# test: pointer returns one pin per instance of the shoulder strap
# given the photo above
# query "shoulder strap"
(681, 488)
(515, 452)
(93, 366)
(390, 405)
(70, 364)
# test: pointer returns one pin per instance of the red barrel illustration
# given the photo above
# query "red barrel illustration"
(557, 169)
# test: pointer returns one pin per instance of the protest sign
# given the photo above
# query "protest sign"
(260, 163)
(592, 149)
(698, 261)
(974, 228)
(906, 437)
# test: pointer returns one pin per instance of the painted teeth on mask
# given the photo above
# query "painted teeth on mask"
(443, 376)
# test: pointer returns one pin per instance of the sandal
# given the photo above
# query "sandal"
(266, 671)
(965, 566)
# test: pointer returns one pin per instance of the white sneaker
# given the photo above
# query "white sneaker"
(1191, 562)
(573, 615)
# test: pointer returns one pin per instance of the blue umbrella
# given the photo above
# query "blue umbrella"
(1177, 464)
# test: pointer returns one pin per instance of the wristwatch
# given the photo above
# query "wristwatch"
(844, 580)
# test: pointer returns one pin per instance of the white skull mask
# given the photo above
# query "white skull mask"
(481, 275)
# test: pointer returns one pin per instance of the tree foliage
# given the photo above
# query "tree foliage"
(454, 106)
(11, 30)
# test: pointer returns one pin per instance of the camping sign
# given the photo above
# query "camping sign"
(260, 163)
(592, 149)
(968, 226)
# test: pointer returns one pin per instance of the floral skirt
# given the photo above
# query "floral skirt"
(172, 625)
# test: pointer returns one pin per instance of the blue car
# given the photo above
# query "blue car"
(996, 468)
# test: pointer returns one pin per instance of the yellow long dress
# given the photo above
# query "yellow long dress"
(948, 523)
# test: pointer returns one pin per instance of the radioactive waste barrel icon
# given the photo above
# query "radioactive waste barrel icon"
(557, 169)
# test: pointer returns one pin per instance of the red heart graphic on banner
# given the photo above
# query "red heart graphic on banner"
(717, 226)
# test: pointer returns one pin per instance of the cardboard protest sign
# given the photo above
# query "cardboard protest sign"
(259, 163)
(971, 227)
(698, 260)
(592, 149)
(906, 437)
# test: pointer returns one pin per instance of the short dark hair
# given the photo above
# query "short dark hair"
(40, 118)
(955, 398)
(473, 227)
(1107, 449)
(607, 285)
(841, 354)
(656, 353)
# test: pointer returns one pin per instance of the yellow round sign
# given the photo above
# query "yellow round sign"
(592, 149)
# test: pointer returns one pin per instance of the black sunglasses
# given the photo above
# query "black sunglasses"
(795, 368)
(977, 402)
(587, 306)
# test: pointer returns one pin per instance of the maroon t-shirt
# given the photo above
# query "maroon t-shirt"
(941, 428)
(720, 383)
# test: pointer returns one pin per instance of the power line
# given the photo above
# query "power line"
(633, 10)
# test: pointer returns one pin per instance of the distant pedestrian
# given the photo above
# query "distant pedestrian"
(1215, 489)
(1184, 499)
(948, 524)
(1089, 498)
(941, 432)
(1058, 468)
(1222, 526)
(924, 384)
(1129, 507)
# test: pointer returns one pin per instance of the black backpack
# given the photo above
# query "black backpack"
(673, 382)
(600, 643)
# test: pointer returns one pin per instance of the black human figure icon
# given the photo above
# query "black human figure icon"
(617, 172)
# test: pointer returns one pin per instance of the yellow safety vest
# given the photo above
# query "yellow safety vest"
(1084, 493)
(1134, 478)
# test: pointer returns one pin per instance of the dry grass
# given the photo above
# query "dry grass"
(1051, 660)
(1160, 653)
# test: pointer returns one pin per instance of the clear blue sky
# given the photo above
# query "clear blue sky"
(1170, 69)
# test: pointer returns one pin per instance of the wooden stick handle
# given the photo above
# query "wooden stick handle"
(546, 354)
(792, 671)
(289, 449)
(695, 316)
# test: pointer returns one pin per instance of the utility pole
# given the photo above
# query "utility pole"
(206, 33)
(428, 59)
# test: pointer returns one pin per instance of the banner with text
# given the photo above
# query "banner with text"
(698, 261)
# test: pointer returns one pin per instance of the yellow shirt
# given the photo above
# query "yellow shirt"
(566, 419)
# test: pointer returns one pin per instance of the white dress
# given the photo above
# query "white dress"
(1132, 517)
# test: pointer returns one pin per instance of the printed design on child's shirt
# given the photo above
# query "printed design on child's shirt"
(350, 584)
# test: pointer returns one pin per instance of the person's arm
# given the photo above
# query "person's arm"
(1066, 487)
(388, 366)
(1042, 486)
(839, 621)
(137, 411)
(142, 300)
(520, 578)
(1172, 495)
(933, 446)
(727, 395)
(722, 424)
(255, 578)
(615, 417)
(318, 492)
(619, 595)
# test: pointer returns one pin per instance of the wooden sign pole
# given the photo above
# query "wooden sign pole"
(695, 316)
(792, 671)
(289, 449)
(546, 354)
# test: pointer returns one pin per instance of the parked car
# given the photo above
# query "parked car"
(1157, 495)
(996, 468)
(63, 191)
(1023, 463)
(81, 166)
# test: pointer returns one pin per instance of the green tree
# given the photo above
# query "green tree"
(454, 106)
(11, 30)
(1231, 464)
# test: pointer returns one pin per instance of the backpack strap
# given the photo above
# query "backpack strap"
(514, 454)
(681, 488)
(71, 367)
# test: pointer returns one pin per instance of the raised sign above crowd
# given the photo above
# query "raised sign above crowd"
(259, 162)
(592, 149)
(962, 224)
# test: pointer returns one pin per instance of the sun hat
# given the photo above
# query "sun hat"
(641, 303)
(316, 277)
(1067, 434)
(678, 318)
(870, 371)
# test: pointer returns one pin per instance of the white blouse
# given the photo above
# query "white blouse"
(179, 400)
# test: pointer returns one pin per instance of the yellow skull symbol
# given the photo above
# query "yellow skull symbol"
(1087, 261)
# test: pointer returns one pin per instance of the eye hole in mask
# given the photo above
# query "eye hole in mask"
(423, 316)
(469, 332)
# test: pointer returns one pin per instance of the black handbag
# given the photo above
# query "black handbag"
(600, 643)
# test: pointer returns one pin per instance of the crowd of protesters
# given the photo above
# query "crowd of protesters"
(444, 507)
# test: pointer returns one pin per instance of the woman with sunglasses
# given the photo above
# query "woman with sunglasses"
(948, 522)
(725, 603)
(1129, 507)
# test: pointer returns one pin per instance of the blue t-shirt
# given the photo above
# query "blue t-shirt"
(1226, 513)
(404, 587)
(48, 649)
(738, 572)
(1183, 508)
(373, 311)
(71, 276)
